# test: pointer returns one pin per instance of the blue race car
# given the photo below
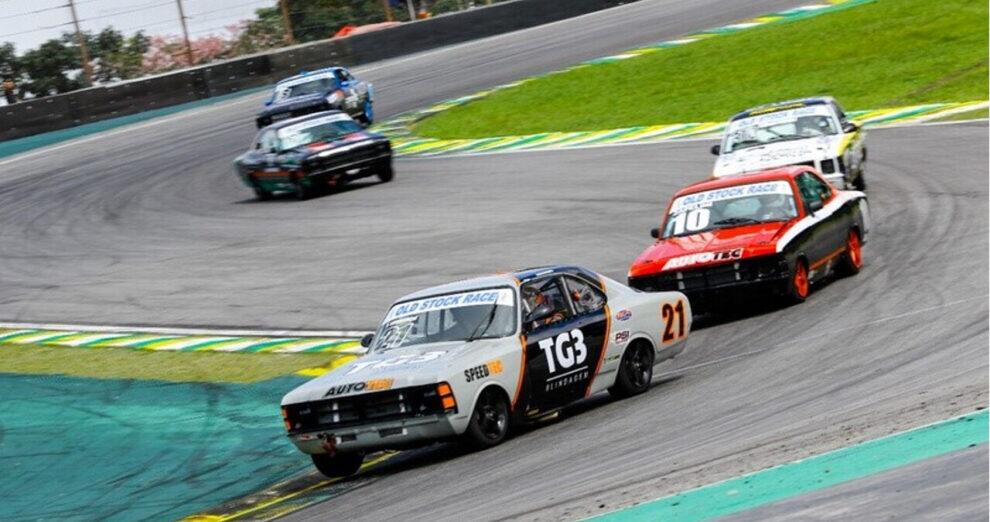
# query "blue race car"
(333, 88)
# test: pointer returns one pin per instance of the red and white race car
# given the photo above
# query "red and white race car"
(779, 230)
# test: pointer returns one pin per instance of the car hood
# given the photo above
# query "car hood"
(296, 102)
(774, 155)
(708, 248)
(399, 368)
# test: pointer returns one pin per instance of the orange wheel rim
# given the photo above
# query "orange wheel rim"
(801, 280)
(852, 246)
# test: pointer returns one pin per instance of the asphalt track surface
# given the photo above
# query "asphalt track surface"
(149, 226)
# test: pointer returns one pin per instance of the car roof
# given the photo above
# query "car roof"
(783, 106)
(313, 115)
(304, 74)
(501, 279)
(782, 173)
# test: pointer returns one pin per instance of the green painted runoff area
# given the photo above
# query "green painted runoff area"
(811, 474)
(97, 449)
(885, 53)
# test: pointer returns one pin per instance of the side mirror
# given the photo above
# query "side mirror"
(850, 127)
(267, 103)
(367, 339)
(815, 205)
(273, 150)
(655, 233)
(716, 149)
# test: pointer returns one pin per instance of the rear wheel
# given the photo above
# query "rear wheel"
(262, 194)
(303, 190)
(490, 420)
(339, 465)
(860, 182)
(635, 371)
(852, 260)
(798, 285)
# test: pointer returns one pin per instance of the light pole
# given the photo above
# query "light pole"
(289, 36)
(81, 41)
(185, 33)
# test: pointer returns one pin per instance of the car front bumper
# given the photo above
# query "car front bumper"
(379, 436)
(708, 287)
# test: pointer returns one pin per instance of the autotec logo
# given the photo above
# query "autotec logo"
(702, 258)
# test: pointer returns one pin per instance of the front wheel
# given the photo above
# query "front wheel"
(367, 116)
(490, 420)
(385, 172)
(635, 371)
(798, 285)
(339, 465)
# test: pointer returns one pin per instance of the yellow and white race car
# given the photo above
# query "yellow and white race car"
(810, 131)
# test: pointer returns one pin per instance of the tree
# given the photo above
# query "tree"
(44, 69)
(116, 57)
(9, 63)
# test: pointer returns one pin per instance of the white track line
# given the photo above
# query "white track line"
(165, 330)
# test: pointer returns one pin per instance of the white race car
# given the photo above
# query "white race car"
(469, 359)
(811, 131)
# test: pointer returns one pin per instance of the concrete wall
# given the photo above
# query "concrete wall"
(100, 103)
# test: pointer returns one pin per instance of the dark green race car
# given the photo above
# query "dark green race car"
(313, 153)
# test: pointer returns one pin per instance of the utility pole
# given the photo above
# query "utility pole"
(81, 41)
(412, 10)
(290, 38)
(387, 7)
(185, 33)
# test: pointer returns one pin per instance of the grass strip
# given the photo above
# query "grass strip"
(880, 54)
(114, 363)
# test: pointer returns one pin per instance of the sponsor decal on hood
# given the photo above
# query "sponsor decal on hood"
(362, 386)
(702, 258)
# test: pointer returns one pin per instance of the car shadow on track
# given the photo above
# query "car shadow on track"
(290, 197)
(445, 451)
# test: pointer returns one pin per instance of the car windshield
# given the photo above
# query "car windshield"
(466, 316)
(303, 87)
(793, 124)
(739, 205)
(327, 128)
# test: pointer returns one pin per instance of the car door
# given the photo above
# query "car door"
(827, 235)
(562, 346)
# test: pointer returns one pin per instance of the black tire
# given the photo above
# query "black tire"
(860, 182)
(339, 465)
(852, 259)
(635, 372)
(793, 293)
(490, 420)
(385, 173)
(263, 122)
(303, 191)
(262, 194)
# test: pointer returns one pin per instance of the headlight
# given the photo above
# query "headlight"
(828, 166)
